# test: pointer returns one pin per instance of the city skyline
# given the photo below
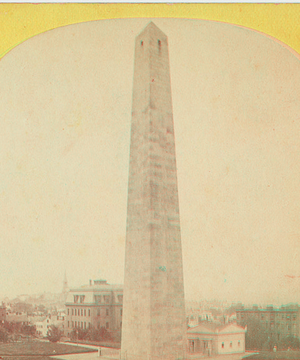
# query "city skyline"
(66, 107)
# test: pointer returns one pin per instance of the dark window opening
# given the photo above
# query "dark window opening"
(142, 43)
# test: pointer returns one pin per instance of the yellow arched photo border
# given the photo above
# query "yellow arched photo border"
(19, 22)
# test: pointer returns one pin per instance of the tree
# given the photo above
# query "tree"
(78, 334)
(54, 334)
(28, 330)
(94, 334)
(103, 334)
(3, 335)
(256, 336)
(289, 342)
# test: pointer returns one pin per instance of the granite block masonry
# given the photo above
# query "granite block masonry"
(154, 324)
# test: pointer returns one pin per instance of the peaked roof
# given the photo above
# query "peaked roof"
(151, 28)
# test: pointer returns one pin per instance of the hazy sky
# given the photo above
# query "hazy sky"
(65, 104)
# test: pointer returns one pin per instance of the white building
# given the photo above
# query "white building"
(43, 326)
(209, 339)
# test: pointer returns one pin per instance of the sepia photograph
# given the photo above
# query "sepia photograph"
(150, 173)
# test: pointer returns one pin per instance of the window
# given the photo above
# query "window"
(76, 299)
(107, 325)
(81, 325)
(159, 42)
(84, 312)
(81, 298)
(231, 344)
(121, 324)
(98, 312)
(121, 312)
(107, 312)
(81, 312)
(75, 323)
(72, 311)
(97, 299)
(68, 311)
(75, 312)
(120, 298)
(72, 324)
(142, 43)
(89, 312)
(85, 325)
(106, 299)
(239, 343)
(89, 325)
(68, 323)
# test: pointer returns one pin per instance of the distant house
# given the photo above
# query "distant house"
(195, 317)
(205, 316)
(17, 317)
(211, 339)
(44, 325)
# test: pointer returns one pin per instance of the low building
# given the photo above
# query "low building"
(211, 339)
(18, 317)
(44, 324)
(280, 323)
(96, 305)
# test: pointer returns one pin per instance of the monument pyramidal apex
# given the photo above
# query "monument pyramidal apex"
(154, 324)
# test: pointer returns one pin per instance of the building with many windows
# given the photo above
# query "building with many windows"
(280, 323)
(96, 305)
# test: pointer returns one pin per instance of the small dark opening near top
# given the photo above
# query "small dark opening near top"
(159, 42)
(142, 43)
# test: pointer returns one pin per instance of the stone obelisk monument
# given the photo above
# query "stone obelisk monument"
(154, 324)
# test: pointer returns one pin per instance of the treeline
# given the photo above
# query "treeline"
(259, 338)
(12, 331)
(91, 334)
